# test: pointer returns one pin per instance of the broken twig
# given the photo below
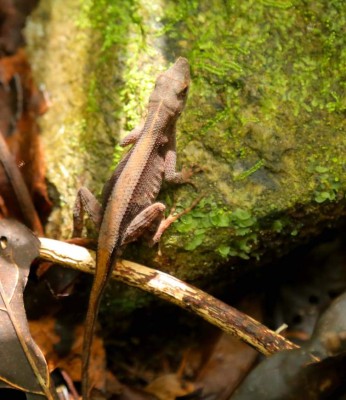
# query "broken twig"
(175, 291)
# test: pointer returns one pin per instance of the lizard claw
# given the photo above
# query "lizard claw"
(188, 173)
(172, 217)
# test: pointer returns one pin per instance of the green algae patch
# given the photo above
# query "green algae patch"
(265, 119)
(267, 110)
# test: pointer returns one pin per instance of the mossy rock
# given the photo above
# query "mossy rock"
(265, 117)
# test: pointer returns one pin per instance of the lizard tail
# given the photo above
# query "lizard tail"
(103, 270)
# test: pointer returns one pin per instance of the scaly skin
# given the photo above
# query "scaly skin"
(129, 196)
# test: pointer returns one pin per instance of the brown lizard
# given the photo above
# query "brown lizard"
(129, 206)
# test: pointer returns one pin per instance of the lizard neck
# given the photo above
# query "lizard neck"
(158, 119)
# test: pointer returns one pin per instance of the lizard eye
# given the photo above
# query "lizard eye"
(183, 92)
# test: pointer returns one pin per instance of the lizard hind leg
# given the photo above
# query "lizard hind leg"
(85, 202)
(144, 220)
(172, 217)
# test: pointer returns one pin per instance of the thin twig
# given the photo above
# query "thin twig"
(19, 187)
(175, 291)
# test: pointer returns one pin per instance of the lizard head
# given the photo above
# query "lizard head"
(172, 87)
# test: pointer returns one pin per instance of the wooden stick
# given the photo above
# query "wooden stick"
(175, 291)
(19, 187)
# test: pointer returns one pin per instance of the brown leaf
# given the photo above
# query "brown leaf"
(169, 386)
(20, 104)
(230, 360)
(73, 364)
(12, 20)
(227, 366)
(22, 365)
(45, 335)
(11, 24)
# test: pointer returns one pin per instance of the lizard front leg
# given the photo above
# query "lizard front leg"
(171, 175)
(133, 136)
(85, 202)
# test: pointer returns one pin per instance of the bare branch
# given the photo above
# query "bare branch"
(175, 291)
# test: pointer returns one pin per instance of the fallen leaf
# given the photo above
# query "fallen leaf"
(22, 365)
(226, 368)
(45, 335)
(230, 359)
(20, 104)
(169, 386)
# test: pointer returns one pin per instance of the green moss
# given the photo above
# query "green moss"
(234, 84)
(264, 119)
(116, 84)
(208, 220)
(278, 226)
(124, 302)
(265, 109)
(250, 171)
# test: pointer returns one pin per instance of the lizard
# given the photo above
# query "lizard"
(129, 206)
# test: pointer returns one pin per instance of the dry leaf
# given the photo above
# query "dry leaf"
(169, 386)
(22, 365)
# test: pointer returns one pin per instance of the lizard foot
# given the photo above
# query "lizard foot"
(172, 217)
(188, 173)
